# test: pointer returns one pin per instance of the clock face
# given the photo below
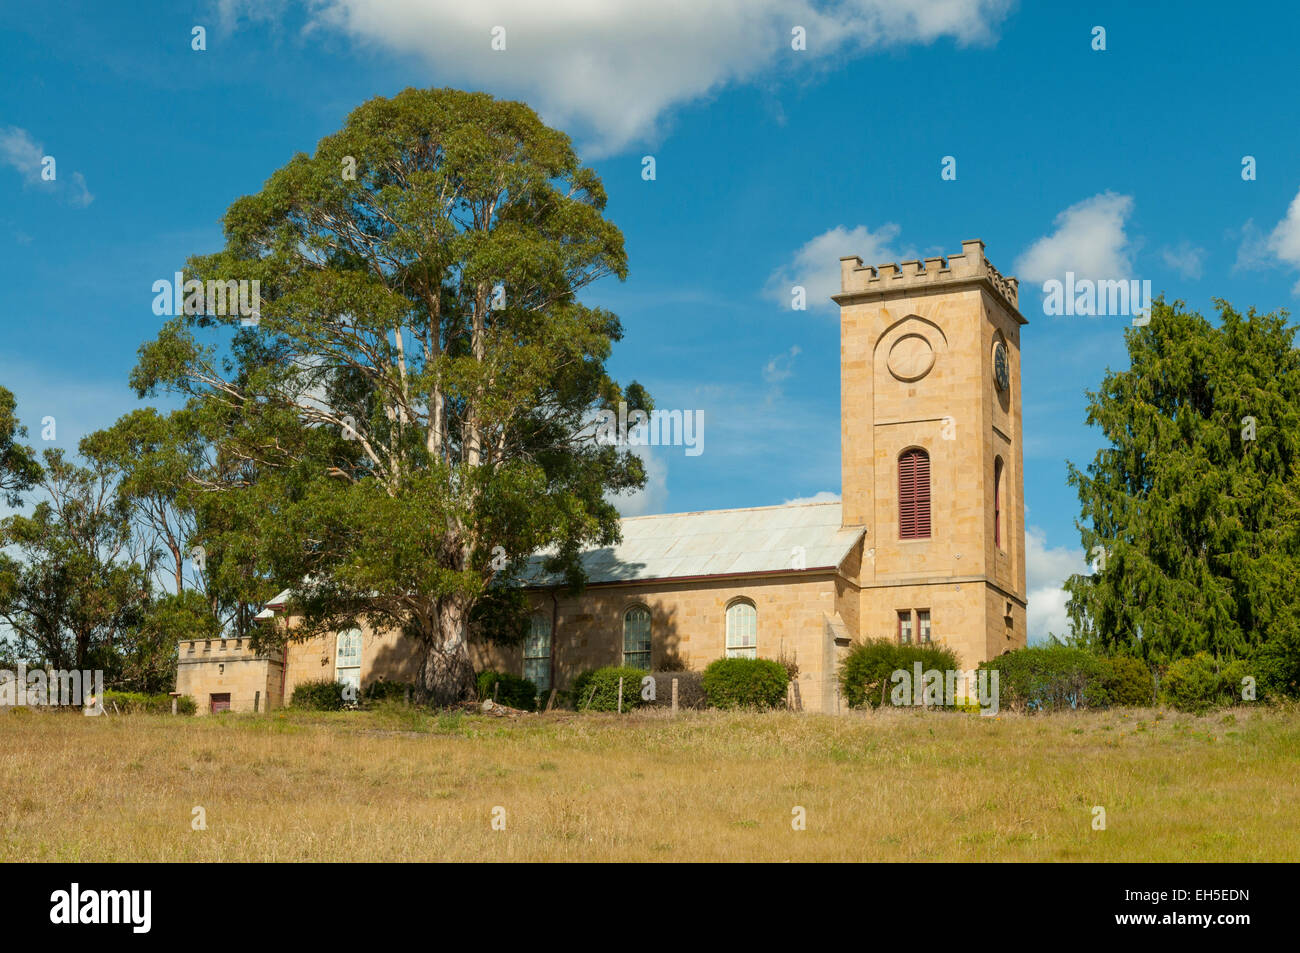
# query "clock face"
(1001, 368)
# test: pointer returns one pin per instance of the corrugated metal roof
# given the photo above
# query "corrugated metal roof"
(757, 539)
(715, 543)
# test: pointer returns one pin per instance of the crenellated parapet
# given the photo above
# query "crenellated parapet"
(859, 282)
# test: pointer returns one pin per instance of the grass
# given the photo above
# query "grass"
(405, 785)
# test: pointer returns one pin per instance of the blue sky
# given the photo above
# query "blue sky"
(770, 164)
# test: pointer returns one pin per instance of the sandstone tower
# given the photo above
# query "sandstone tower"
(931, 446)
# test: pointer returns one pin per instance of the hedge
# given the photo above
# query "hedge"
(745, 683)
(137, 703)
(690, 689)
(318, 695)
(1127, 682)
(1050, 678)
(384, 690)
(597, 690)
(867, 667)
(507, 689)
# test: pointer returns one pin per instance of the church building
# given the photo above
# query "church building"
(927, 543)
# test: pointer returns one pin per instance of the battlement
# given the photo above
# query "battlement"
(860, 282)
(224, 650)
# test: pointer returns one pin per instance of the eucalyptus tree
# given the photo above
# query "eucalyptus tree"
(410, 412)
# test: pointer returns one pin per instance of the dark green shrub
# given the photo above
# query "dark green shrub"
(318, 695)
(507, 689)
(745, 683)
(1127, 682)
(1192, 684)
(597, 690)
(1049, 678)
(384, 690)
(690, 689)
(137, 703)
(1275, 666)
(865, 674)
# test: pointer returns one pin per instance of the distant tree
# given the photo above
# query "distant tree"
(19, 470)
(72, 589)
(413, 411)
(1192, 514)
(155, 455)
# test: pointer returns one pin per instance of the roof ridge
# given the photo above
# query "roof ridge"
(733, 509)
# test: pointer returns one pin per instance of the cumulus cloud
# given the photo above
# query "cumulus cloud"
(1089, 240)
(21, 152)
(816, 266)
(1284, 242)
(651, 498)
(1046, 569)
(1185, 258)
(611, 71)
(821, 496)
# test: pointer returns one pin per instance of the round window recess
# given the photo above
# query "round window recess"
(911, 358)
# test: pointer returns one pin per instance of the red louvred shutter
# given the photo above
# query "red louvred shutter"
(922, 495)
(906, 496)
(914, 495)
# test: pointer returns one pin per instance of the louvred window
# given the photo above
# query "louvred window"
(914, 495)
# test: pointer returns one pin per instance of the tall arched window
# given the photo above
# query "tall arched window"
(636, 637)
(742, 630)
(537, 651)
(914, 494)
(997, 502)
(347, 659)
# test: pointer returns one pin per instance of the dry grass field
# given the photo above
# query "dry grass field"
(401, 785)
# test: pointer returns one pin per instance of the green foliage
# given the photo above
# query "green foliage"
(1192, 684)
(69, 591)
(745, 683)
(507, 689)
(392, 428)
(138, 703)
(868, 666)
(690, 688)
(19, 470)
(597, 690)
(1127, 682)
(1196, 502)
(386, 691)
(1049, 678)
(319, 695)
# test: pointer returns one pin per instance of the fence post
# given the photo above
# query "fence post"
(620, 694)
(674, 696)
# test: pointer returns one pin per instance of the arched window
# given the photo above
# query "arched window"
(347, 659)
(636, 637)
(914, 494)
(742, 630)
(997, 502)
(537, 651)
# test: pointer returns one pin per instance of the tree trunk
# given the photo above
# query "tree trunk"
(446, 672)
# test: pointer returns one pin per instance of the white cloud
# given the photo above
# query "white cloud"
(781, 367)
(816, 266)
(1089, 240)
(610, 71)
(21, 152)
(651, 498)
(1185, 258)
(1046, 569)
(1284, 242)
(821, 496)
